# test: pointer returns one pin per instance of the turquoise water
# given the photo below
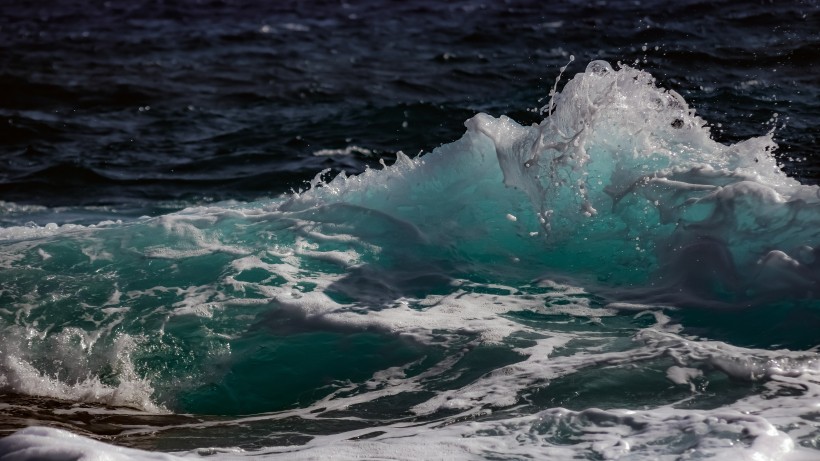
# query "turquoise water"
(610, 282)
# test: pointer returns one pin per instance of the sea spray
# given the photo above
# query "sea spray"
(620, 165)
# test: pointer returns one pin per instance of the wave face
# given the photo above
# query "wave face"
(619, 168)
(609, 283)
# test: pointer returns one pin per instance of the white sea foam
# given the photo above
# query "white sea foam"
(45, 444)
(68, 376)
(349, 150)
(553, 434)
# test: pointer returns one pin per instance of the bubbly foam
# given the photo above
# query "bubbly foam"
(64, 366)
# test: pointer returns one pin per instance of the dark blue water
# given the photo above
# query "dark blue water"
(619, 272)
(145, 106)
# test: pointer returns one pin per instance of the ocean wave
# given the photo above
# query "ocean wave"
(482, 300)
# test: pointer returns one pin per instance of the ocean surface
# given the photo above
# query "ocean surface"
(409, 230)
